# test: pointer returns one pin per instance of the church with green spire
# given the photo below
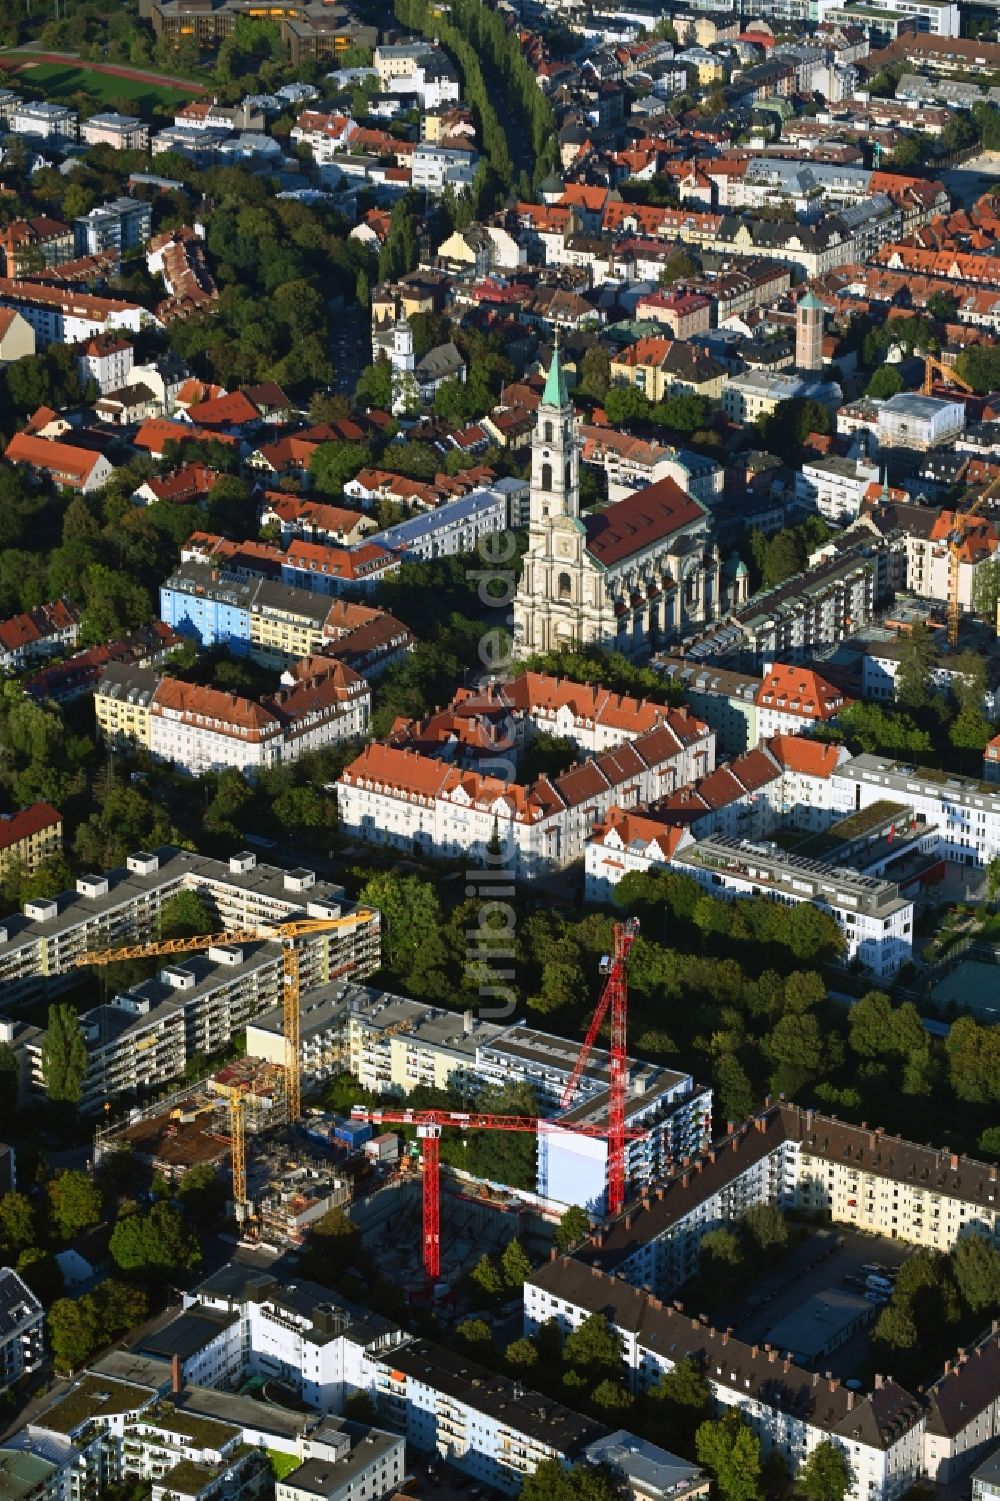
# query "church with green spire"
(630, 577)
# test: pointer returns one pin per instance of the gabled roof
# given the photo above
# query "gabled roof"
(639, 521)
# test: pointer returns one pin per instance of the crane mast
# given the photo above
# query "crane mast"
(614, 998)
(429, 1125)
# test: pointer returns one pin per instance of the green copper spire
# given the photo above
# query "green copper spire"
(555, 393)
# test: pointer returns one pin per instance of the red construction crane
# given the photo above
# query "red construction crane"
(429, 1124)
(615, 996)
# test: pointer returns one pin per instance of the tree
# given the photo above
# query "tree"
(896, 1326)
(486, 1276)
(10, 1080)
(870, 1025)
(684, 1389)
(732, 1452)
(612, 1399)
(766, 1227)
(573, 1226)
(40, 1271)
(977, 1272)
(73, 1330)
(75, 1202)
(516, 1264)
(474, 1332)
(824, 1475)
(160, 1241)
(203, 1193)
(64, 1055)
(678, 267)
(720, 1249)
(595, 373)
(594, 1348)
(17, 1224)
(550, 1482)
(886, 382)
(521, 1355)
(185, 916)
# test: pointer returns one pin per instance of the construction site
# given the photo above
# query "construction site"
(611, 1120)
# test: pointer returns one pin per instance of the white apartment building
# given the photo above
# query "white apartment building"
(929, 557)
(434, 168)
(964, 811)
(253, 1324)
(406, 800)
(794, 700)
(875, 920)
(106, 360)
(791, 1409)
(835, 487)
(62, 315)
(22, 1329)
(142, 1039)
(487, 1425)
(456, 527)
(39, 947)
(199, 729)
(51, 122)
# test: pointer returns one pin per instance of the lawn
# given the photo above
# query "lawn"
(282, 1464)
(61, 80)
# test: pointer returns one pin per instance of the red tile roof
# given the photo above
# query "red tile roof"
(640, 521)
(31, 820)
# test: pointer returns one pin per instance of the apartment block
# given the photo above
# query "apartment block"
(39, 947)
(876, 921)
(242, 1321)
(122, 223)
(200, 729)
(791, 1409)
(964, 811)
(42, 632)
(22, 1322)
(29, 838)
(393, 1045)
(487, 1424)
(122, 132)
(143, 1037)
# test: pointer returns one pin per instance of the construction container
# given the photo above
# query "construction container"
(353, 1134)
(384, 1148)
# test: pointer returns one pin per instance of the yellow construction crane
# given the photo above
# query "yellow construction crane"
(289, 934)
(932, 367)
(955, 542)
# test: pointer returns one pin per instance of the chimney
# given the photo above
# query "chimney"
(878, 1382)
(953, 1162)
(947, 1367)
(736, 1143)
(754, 1352)
(553, 1254)
(176, 1378)
(730, 1127)
(645, 1202)
(772, 1356)
(678, 1305)
(850, 1400)
(725, 1336)
(595, 1271)
(833, 1384)
(815, 1380)
(628, 1222)
(786, 1365)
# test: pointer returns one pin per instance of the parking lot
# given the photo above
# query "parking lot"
(781, 1292)
(445, 1484)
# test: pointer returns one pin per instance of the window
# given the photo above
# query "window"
(548, 432)
(546, 476)
(565, 586)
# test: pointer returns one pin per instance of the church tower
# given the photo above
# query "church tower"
(555, 458)
(557, 590)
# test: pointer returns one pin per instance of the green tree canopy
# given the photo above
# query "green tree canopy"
(64, 1055)
(75, 1202)
(824, 1474)
(732, 1452)
(160, 1241)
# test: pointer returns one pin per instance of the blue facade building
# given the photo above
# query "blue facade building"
(212, 611)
